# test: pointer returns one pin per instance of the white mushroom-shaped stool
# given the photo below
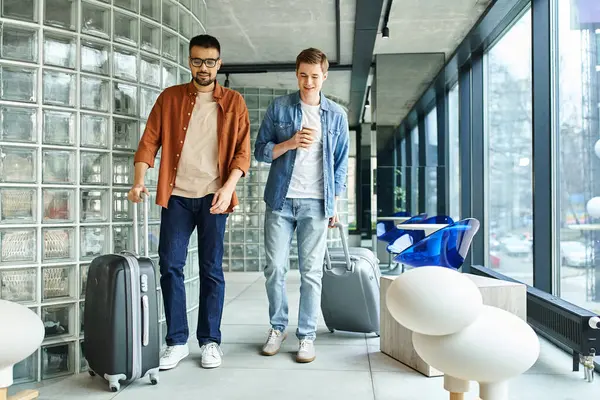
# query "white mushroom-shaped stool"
(454, 332)
(22, 334)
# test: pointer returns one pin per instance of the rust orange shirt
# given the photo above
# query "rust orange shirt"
(167, 126)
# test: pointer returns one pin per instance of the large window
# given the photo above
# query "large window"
(414, 171)
(453, 152)
(578, 175)
(431, 162)
(509, 152)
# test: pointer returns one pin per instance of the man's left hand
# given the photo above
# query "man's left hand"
(221, 200)
(333, 220)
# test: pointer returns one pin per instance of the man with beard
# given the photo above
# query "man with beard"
(204, 131)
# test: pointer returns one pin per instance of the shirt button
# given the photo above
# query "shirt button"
(189, 114)
(184, 128)
(175, 168)
(177, 155)
(181, 141)
(170, 184)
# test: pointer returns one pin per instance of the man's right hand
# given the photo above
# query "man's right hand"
(135, 193)
(302, 139)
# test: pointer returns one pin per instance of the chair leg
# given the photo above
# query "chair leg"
(457, 396)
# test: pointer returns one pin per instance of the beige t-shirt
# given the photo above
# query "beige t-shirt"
(198, 169)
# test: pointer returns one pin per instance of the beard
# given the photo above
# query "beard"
(204, 80)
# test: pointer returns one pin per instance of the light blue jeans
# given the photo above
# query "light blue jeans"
(307, 217)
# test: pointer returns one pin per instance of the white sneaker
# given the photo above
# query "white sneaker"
(273, 343)
(211, 355)
(306, 351)
(173, 355)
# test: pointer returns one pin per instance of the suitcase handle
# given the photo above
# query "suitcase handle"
(136, 234)
(340, 226)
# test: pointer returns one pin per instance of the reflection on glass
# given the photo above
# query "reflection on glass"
(59, 128)
(169, 75)
(151, 9)
(83, 274)
(454, 156)
(94, 57)
(131, 5)
(26, 370)
(170, 12)
(59, 88)
(18, 285)
(150, 37)
(94, 205)
(125, 133)
(126, 28)
(59, 50)
(17, 165)
(577, 129)
(122, 238)
(60, 13)
(57, 360)
(20, 9)
(94, 130)
(57, 282)
(58, 205)
(148, 98)
(125, 64)
(17, 205)
(94, 168)
(150, 71)
(94, 93)
(58, 243)
(125, 99)
(19, 43)
(121, 206)
(509, 197)
(18, 245)
(18, 124)
(170, 45)
(95, 20)
(18, 84)
(59, 166)
(93, 241)
(122, 170)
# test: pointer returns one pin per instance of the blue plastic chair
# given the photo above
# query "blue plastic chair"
(447, 247)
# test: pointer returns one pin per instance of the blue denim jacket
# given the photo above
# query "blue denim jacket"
(282, 120)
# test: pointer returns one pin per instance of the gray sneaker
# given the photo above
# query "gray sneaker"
(273, 343)
(306, 351)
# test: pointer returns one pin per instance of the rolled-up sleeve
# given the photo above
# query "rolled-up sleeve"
(241, 158)
(152, 137)
(263, 148)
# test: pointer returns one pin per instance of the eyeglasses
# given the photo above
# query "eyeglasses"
(210, 62)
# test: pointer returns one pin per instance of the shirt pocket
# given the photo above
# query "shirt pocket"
(283, 130)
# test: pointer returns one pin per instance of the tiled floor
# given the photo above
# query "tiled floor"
(348, 366)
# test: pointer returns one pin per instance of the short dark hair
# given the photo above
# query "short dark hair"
(206, 41)
(313, 56)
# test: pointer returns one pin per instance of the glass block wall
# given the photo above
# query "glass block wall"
(244, 248)
(77, 80)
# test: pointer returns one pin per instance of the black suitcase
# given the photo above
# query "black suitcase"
(121, 341)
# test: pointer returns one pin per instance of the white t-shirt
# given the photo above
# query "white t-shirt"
(307, 176)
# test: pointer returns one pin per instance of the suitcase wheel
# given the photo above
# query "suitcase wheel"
(92, 373)
(114, 387)
(154, 379)
(331, 330)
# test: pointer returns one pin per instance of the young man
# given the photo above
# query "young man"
(204, 131)
(305, 138)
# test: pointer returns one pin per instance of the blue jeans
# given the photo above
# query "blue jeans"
(177, 224)
(307, 216)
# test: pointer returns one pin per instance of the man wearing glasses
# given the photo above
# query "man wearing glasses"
(204, 131)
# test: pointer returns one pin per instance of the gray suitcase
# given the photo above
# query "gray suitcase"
(350, 292)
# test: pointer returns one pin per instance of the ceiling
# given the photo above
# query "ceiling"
(271, 32)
